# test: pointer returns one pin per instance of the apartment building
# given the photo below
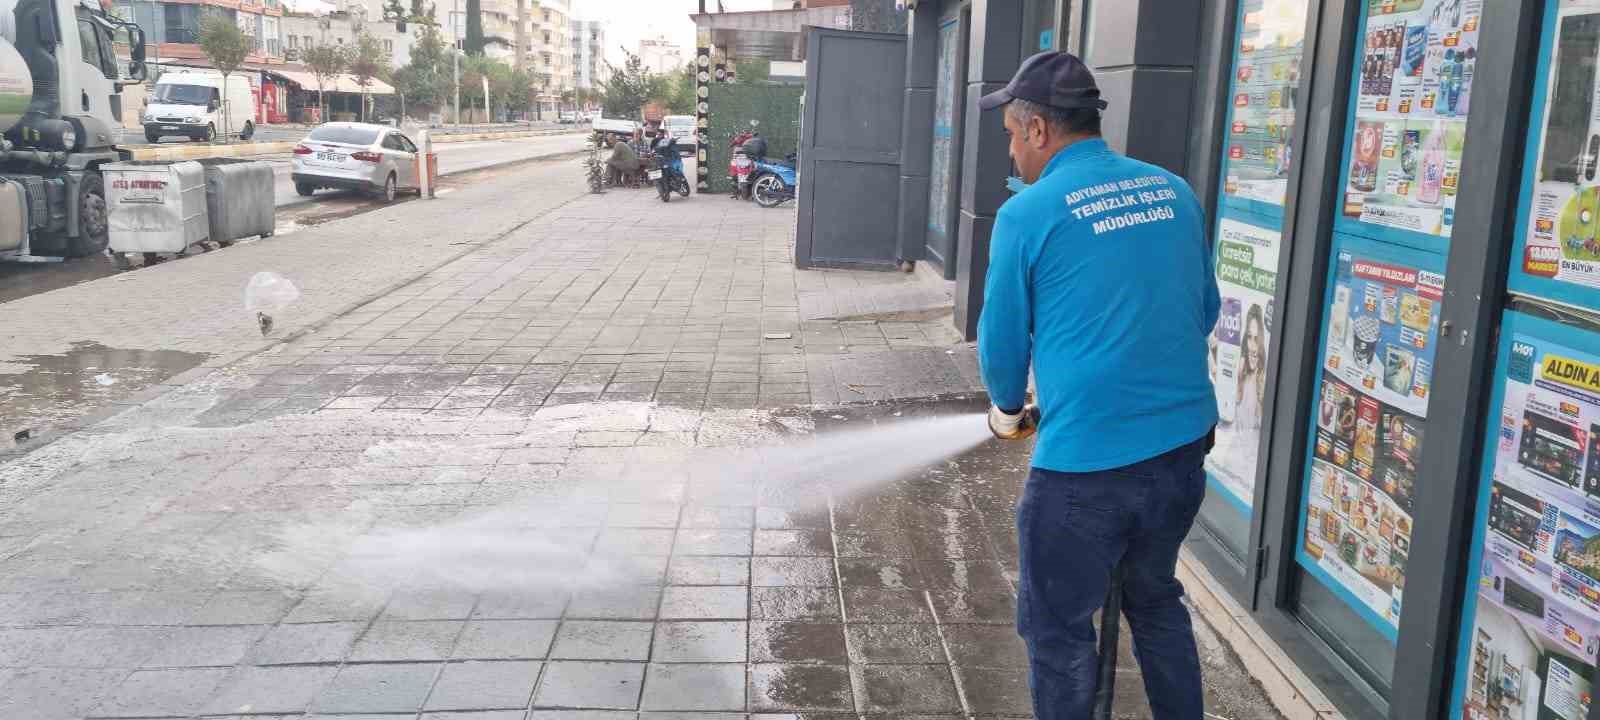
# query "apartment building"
(172, 28)
(302, 29)
(588, 53)
(661, 54)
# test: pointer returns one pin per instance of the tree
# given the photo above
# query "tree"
(629, 87)
(473, 43)
(367, 61)
(422, 14)
(325, 61)
(594, 168)
(680, 93)
(226, 46)
(425, 81)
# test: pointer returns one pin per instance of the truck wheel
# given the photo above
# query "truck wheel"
(248, 132)
(152, 137)
(210, 133)
(305, 189)
(93, 230)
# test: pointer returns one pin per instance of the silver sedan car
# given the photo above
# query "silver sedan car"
(355, 156)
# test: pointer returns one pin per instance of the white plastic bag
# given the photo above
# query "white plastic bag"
(266, 294)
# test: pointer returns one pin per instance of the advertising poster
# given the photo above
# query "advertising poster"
(1369, 426)
(1559, 253)
(1414, 86)
(1271, 42)
(1530, 639)
(1247, 271)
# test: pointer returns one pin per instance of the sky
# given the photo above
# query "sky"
(629, 20)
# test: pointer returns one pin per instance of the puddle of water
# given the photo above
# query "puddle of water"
(58, 387)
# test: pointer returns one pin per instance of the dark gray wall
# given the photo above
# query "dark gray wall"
(1145, 54)
(916, 149)
(992, 58)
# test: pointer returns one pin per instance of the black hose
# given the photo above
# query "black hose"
(1110, 626)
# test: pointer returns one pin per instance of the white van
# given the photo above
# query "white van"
(190, 103)
(682, 127)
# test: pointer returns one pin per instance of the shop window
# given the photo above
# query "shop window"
(1256, 170)
(1381, 318)
(1531, 626)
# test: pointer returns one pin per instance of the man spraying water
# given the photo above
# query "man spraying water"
(1100, 278)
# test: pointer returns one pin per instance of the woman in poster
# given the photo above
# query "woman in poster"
(1251, 386)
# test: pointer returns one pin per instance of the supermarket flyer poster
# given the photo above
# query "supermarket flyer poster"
(1271, 41)
(1533, 624)
(1414, 85)
(1558, 251)
(1358, 537)
(1382, 329)
(1370, 423)
(1246, 267)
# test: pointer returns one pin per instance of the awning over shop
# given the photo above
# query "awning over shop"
(339, 83)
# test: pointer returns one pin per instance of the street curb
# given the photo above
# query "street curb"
(242, 150)
(1291, 692)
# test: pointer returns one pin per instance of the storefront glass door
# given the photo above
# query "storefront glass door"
(1407, 127)
(1256, 167)
(944, 176)
(1531, 627)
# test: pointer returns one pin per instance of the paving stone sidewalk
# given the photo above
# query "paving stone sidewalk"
(624, 462)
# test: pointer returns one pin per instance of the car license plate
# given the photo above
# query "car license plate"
(169, 127)
(331, 157)
(655, 174)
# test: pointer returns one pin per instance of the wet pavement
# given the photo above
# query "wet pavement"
(619, 464)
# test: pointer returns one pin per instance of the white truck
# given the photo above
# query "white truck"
(60, 105)
(620, 129)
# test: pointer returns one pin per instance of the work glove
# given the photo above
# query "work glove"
(1019, 426)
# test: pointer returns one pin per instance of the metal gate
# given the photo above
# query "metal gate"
(849, 201)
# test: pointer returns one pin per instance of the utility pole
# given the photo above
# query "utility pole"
(521, 35)
(456, 56)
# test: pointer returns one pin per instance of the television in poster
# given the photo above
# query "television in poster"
(1532, 626)
(1247, 267)
(1414, 89)
(1560, 244)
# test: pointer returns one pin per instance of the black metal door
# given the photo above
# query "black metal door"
(849, 199)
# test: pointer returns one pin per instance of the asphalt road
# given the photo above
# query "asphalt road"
(453, 158)
(19, 280)
(280, 133)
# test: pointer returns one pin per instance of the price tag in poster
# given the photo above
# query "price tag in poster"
(1558, 251)
(1267, 76)
(1369, 427)
(1533, 622)
(1414, 80)
(1247, 267)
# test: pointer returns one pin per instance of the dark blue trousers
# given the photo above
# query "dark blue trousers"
(1073, 528)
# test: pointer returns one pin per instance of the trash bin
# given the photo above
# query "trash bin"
(155, 206)
(239, 198)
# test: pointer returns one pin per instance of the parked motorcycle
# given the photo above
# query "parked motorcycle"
(739, 169)
(741, 163)
(773, 183)
(668, 173)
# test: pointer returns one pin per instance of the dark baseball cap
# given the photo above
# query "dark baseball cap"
(1057, 79)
